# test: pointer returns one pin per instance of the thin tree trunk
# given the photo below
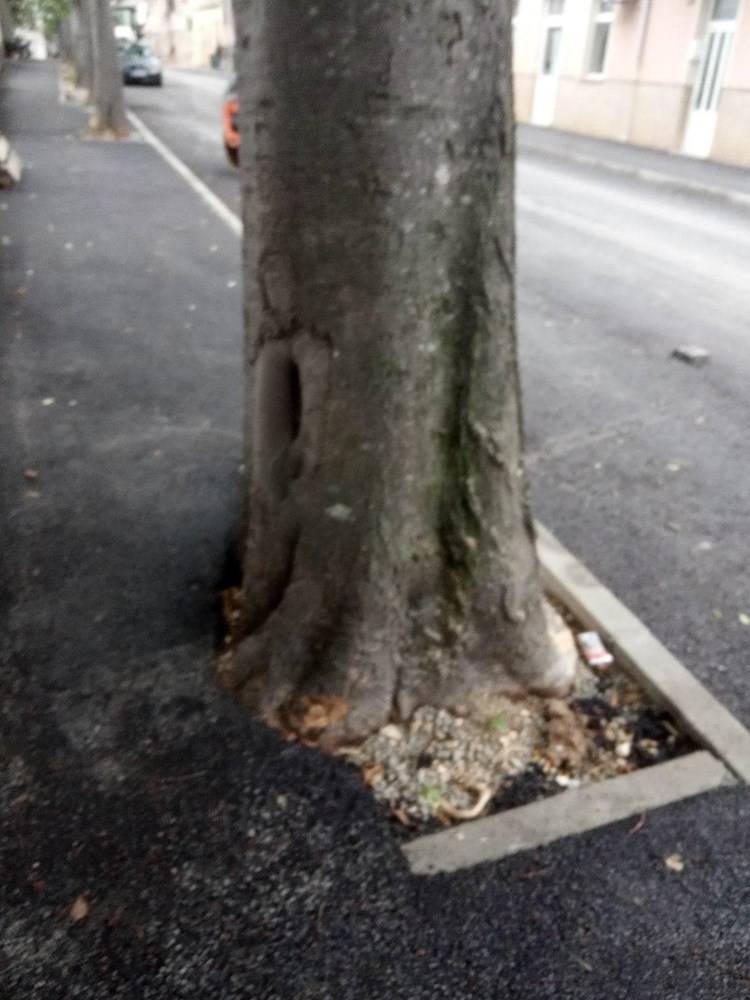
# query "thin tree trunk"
(108, 111)
(389, 557)
(7, 25)
(67, 41)
(82, 46)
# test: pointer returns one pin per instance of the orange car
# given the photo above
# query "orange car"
(231, 126)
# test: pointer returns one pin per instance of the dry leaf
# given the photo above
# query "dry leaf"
(80, 909)
(403, 817)
(372, 773)
(451, 812)
(674, 862)
(312, 714)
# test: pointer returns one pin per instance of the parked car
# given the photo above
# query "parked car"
(230, 112)
(140, 65)
(17, 48)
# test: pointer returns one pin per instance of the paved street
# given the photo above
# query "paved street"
(186, 114)
(639, 463)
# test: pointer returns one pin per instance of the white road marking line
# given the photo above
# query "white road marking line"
(202, 190)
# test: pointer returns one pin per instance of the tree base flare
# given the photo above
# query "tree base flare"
(320, 712)
(94, 134)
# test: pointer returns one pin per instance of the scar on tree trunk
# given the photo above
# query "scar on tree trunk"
(388, 554)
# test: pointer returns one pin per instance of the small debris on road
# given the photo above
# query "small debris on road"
(638, 825)
(80, 909)
(743, 619)
(674, 862)
(593, 650)
(48, 401)
(30, 475)
(691, 355)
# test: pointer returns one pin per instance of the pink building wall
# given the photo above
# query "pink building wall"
(644, 94)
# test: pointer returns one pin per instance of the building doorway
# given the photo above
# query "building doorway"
(704, 102)
(545, 89)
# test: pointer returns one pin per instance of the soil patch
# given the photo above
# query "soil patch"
(441, 768)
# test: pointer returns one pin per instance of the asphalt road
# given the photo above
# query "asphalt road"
(639, 463)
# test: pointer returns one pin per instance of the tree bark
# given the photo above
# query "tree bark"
(67, 41)
(82, 45)
(7, 25)
(388, 553)
(107, 99)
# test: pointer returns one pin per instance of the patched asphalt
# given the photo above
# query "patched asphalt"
(215, 859)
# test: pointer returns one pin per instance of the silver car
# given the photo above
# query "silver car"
(140, 65)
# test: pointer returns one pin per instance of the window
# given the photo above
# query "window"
(551, 50)
(724, 10)
(604, 15)
(554, 11)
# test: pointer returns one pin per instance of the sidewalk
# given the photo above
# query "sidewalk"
(681, 172)
(213, 859)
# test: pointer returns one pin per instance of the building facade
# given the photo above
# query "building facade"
(190, 32)
(670, 74)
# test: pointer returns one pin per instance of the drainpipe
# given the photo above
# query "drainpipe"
(645, 16)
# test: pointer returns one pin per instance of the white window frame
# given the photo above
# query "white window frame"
(601, 15)
(554, 19)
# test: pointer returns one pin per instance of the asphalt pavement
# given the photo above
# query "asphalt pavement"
(157, 843)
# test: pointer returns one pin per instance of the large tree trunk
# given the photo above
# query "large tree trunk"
(389, 557)
(108, 103)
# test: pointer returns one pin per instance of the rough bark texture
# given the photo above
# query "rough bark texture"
(388, 552)
(108, 103)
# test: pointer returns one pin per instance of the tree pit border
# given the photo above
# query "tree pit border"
(724, 761)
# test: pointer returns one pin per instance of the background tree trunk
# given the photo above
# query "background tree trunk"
(388, 556)
(107, 99)
(67, 41)
(7, 24)
(82, 45)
